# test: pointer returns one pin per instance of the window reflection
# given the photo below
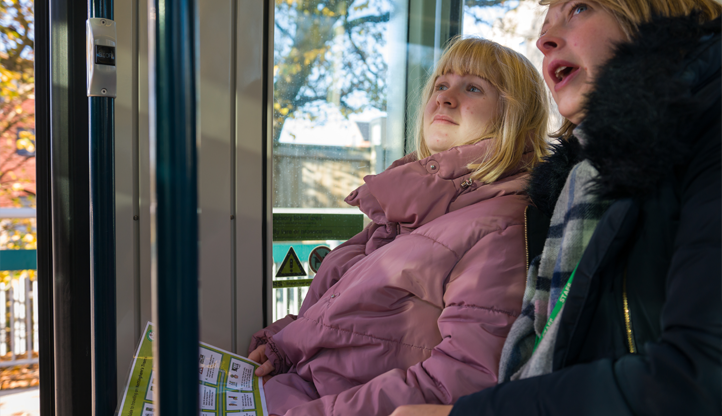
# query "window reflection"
(346, 75)
(514, 24)
(18, 227)
(330, 98)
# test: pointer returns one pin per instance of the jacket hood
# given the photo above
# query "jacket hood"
(648, 98)
(414, 192)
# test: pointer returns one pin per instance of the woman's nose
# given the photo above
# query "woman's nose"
(446, 98)
(548, 42)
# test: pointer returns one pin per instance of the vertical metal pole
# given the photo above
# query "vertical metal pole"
(44, 295)
(3, 321)
(174, 203)
(12, 323)
(63, 201)
(267, 169)
(28, 320)
(36, 323)
(102, 240)
(234, 172)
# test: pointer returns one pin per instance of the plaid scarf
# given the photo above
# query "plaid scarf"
(575, 217)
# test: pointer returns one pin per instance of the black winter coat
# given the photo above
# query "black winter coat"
(641, 332)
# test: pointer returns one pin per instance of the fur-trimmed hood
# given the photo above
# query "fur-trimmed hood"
(547, 179)
(648, 98)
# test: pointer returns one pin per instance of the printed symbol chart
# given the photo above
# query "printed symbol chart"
(151, 384)
(241, 376)
(207, 396)
(209, 362)
(239, 401)
(226, 383)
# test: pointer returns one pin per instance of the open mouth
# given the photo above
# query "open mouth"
(561, 71)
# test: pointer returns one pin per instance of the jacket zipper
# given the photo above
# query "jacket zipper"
(627, 316)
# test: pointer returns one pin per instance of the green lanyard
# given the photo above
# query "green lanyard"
(557, 308)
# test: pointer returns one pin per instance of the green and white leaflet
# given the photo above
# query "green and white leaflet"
(226, 383)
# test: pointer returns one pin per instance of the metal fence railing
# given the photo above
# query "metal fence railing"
(289, 299)
(18, 300)
(18, 322)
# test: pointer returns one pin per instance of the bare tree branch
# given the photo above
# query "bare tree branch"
(350, 25)
(483, 3)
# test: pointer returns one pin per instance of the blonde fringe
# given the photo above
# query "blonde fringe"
(523, 104)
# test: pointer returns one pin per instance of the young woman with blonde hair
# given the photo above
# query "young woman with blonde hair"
(623, 310)
(415, 308)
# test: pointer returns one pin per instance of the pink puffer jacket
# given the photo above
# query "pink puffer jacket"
(416, 307)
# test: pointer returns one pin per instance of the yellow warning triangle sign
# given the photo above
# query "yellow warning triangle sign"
(291, 266)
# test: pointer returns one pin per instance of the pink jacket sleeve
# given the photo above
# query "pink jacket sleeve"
(482, 300)
(336, 263)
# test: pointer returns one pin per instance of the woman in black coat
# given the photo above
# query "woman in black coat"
(639, 332)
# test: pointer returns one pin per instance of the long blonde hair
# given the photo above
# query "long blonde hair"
(523, 104)
(632, 13)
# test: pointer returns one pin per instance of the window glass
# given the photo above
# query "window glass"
(515, 24)
(346, 75)
(332, 62)
(330, 98)
(18, 231)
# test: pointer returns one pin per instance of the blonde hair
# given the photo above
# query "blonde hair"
(523, 104)
(632, 13)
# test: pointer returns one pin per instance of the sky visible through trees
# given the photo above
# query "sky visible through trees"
(17, 127)
(16, 106)
(330, 56)
(329, 52)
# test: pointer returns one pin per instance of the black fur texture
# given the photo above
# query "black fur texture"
(642, 106)
(548, 178)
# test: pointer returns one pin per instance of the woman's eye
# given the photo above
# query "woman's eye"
(441, 88)
(579, 8)
(474, 89)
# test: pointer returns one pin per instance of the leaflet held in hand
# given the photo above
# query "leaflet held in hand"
(226, 383)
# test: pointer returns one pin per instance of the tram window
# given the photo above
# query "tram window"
(19, 332)
(514, 24)
(332, 63)
(344, 72)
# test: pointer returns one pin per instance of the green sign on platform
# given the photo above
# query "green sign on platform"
(18, 260)
(299, 227)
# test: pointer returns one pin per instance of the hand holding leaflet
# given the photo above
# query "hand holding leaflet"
(226, 383)
(259, 355)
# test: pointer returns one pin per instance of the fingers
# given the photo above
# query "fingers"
(258, 355)
(265, 369)
(422, 410)
(403, 411)
(400, 411)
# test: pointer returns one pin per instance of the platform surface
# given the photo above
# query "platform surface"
(20, 402)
